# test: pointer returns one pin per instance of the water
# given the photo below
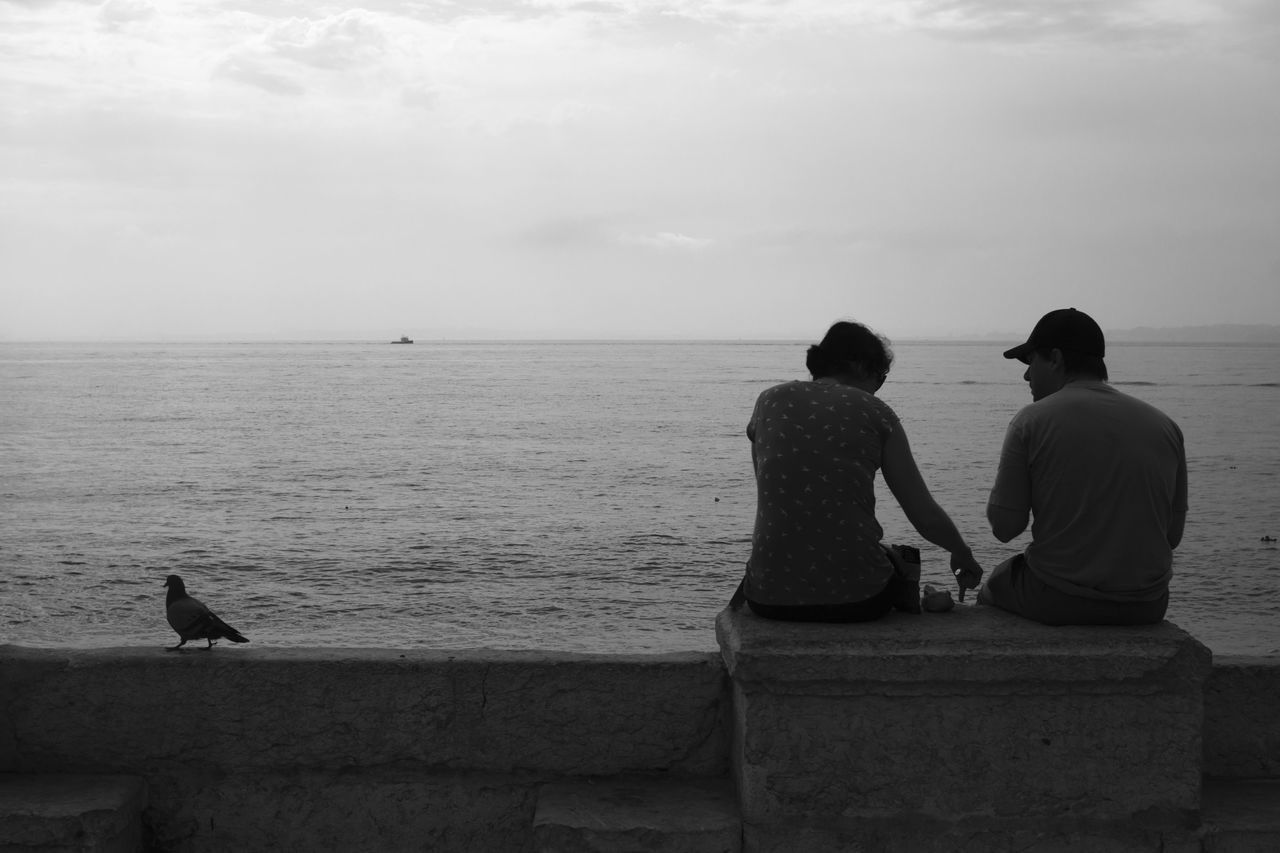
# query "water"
(575, 496)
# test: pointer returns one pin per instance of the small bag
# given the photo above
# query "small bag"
(905, 582)
(739, 597)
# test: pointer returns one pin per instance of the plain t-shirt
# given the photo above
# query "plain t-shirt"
(1102, 474)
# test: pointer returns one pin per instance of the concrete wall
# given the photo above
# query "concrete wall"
(356, 749)
(244, 749)
(973, 730)
(1242, 718)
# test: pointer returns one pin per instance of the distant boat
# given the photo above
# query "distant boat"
(403, 340)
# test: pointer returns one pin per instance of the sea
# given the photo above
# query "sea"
(575, 496)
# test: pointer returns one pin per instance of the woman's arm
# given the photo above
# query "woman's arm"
(902, 475)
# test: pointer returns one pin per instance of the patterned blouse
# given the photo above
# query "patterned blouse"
(817, 447)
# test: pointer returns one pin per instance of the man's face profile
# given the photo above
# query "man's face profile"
(1043, 374)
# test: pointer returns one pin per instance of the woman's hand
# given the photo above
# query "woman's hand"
(967, 572)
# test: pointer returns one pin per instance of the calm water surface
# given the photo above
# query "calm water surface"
(576, 496)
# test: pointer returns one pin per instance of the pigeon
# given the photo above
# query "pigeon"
(192, 620)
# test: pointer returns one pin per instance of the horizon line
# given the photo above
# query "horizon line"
(992, 339)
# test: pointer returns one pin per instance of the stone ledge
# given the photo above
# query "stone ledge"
(1241, 725)
(638, 813)
(973, 715)
(1242, 816)
(914, 835)
(46, 811)
(240, 767)
(235, 710)
(367, 809)
(937, 650)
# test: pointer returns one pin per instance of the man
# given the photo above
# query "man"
(1103, 478)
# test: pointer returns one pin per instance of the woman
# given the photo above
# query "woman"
(816, 446)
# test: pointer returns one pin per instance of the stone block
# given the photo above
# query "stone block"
(913, 835)
(251, 710)
(71, 813)
(383, 810)
(973, 718)
(1241, 726)
(1242, 816)
(630, 815)
(356, 749)
(369, 809)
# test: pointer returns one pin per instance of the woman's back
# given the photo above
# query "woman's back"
(816, 447)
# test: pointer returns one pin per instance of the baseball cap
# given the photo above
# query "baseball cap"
(1065, 329)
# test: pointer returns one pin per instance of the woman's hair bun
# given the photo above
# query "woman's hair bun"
(849, 346)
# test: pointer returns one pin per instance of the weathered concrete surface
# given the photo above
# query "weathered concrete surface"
(1242, 817)
(620, 815)
(972, 715)
(241, 710)
(973, 836)
(448, 746)
(72, 813)
(244, 749)
(1242, 718)
(382, 810)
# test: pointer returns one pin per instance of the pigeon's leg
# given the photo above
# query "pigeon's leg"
(175, 648)
(206, 648)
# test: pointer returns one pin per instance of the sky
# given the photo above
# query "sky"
(602, 169)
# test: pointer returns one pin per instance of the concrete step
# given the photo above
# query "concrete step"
(64, 813)
(1241, 816)
(638, 815)
(970, 718)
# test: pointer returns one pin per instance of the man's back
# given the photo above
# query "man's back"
(1103, 475)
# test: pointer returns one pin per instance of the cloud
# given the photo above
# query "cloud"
(420, 96)
(284, 56)
(119, 13)
(346, 40)
(1093, 20)
(603, 232)
(667, 241)
(809, 238)
(42, 4)
(247, 70)
(580, 232)
(719, 147)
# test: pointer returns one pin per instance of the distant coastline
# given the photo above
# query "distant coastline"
(1215, 334)
(1220, 333)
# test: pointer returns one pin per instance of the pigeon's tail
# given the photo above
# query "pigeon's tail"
(223, 630)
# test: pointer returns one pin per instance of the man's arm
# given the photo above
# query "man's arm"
(1179, 518)
(1007, 523)
(1009, 507)
(1176, 524)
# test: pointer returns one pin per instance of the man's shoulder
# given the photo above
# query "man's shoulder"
(1082, 395)
(1089, 402)
(1070, 402)
(1104, 394)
